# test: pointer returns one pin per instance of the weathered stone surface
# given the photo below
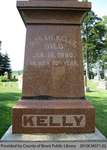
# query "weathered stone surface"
(53, 70)
(56, 116)
(97, 136)
(53, 61)
(53, 54)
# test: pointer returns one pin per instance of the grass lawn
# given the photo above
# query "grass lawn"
(9, 94)
(99, 99)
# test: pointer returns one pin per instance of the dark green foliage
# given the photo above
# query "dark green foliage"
(94, 40)
(5, 65)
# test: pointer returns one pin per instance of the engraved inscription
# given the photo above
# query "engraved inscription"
(31, 120)
(55, 41)
(56, 50)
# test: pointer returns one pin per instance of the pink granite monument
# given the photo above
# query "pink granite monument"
(53, 98)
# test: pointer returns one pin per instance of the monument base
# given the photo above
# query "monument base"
(97, 136)
(53, 116)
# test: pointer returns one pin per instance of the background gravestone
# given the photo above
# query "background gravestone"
(53, 98)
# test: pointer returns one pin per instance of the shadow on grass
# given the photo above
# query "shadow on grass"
(90, 91)
(9, 96)
(100, 105)
(7, 100)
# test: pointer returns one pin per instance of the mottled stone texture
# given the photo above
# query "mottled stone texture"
(53, 70)
(53, 53)
(53, 61)
(51, 108)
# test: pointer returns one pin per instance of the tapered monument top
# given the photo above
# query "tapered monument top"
(28, 8)
(54, 4)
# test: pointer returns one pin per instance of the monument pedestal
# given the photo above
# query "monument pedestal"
(97, 136)
(53, 116)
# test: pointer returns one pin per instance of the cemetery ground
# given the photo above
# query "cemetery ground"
(10, 94)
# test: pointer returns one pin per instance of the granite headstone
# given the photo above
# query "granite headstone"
(53, 98)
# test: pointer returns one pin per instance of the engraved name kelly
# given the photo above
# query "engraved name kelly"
(37, 121)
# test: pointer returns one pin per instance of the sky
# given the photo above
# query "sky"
(13, 31)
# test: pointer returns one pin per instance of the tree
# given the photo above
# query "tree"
(1, 60)
(93, 38)
(1, 57)
(5, 65)
(104, 57)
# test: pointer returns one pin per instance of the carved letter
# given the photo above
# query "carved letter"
(78, 120)
(41, 120)
(28, 121)
(51, 122)
(65, 122)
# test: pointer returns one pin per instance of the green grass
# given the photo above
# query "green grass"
(99, 99)
(9, 94)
